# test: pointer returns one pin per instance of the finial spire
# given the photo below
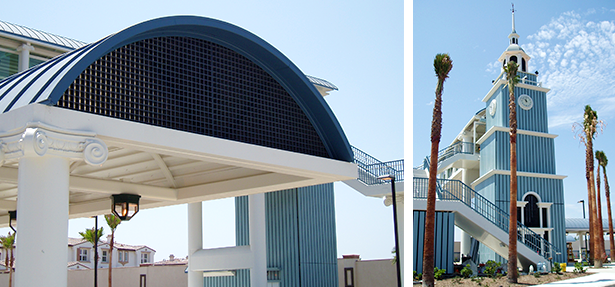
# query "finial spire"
(513, 18)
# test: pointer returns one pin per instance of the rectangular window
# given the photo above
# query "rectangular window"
(123, 256)
(144, 257)
(104, 256)
(142, 281)
(9, 64)
(544, 218)
(83, 254)
(348, 277)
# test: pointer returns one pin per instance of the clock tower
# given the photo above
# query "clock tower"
(540, 201)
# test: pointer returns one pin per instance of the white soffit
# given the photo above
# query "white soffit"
(165, 166)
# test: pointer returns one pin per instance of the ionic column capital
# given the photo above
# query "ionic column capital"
(37, 140)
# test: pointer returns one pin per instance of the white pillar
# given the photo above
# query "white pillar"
(195, 241)
(42, 222)
(24, 56)
(43, 194)
(258, 240)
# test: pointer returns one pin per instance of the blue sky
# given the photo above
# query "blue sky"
(572, 45)
(357, 45)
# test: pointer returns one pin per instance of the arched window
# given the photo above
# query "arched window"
(523, 65)
(531, 211)
(513, 59)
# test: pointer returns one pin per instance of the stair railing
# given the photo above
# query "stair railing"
(452, 150)
(456, 190)
(371, 168)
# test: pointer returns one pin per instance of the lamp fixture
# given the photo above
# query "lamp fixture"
(12, 218)
(125, 205)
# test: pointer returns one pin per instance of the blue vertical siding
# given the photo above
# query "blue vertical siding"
(318, 242)
(444, 240)
(301, 237)
(534, 119)
(534, 154)
(282, 230)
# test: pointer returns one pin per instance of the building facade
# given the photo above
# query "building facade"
(474, 171)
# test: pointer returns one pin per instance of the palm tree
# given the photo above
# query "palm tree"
(603, 161)
(8, 243)
(442, 65)
(599, 209)
(587, 134)
(513, 79)
(113, 221)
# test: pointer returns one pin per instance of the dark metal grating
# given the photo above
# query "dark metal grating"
(195, 86)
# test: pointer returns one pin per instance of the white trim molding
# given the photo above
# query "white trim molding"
(519, 173)
(506, 130)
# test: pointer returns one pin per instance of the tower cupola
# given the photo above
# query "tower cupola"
(514, 52)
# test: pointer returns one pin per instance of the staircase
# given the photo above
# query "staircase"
(483, 220)
(369, 169)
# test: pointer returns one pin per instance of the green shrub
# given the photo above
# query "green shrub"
(557, 268)
(491, 267)
(466, 272)
(578, 267)
(437, 273)
(537, 274)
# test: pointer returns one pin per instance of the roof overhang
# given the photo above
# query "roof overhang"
(164, 166)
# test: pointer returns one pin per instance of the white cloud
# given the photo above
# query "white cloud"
(494, 67)
(575, 58)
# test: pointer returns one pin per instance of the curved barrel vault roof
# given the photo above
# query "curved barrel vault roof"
(47, 82)
(166, 166)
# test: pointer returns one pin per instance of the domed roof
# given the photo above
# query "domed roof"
(514, 47)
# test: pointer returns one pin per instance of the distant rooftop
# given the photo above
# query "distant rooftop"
(582, 224)
(321, 82)
(39, 36)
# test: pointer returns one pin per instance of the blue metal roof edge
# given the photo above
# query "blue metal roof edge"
(241, 41)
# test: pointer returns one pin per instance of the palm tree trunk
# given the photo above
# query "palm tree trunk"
(11, 269)
(595, 232)
(512, 223)
(608, 207)
(111, 258)
(599, 213)
(430, 216)
(6, 263)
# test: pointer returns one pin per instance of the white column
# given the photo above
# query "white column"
(258, 240)
(195, 241)
(42, 221)
(43, 195)
(24, 56)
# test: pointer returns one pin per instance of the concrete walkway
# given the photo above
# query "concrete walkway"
(597, 277)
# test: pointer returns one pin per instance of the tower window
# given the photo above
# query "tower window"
(523, 65)
(513, 59)
(532, 214)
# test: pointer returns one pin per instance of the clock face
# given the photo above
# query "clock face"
(492, 107)
(525, 102)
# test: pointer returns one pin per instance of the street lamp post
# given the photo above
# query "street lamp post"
(392, 179)
(582, 202)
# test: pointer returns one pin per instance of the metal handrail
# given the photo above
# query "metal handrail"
(371, 168)
(456, 190)
(452, 150)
